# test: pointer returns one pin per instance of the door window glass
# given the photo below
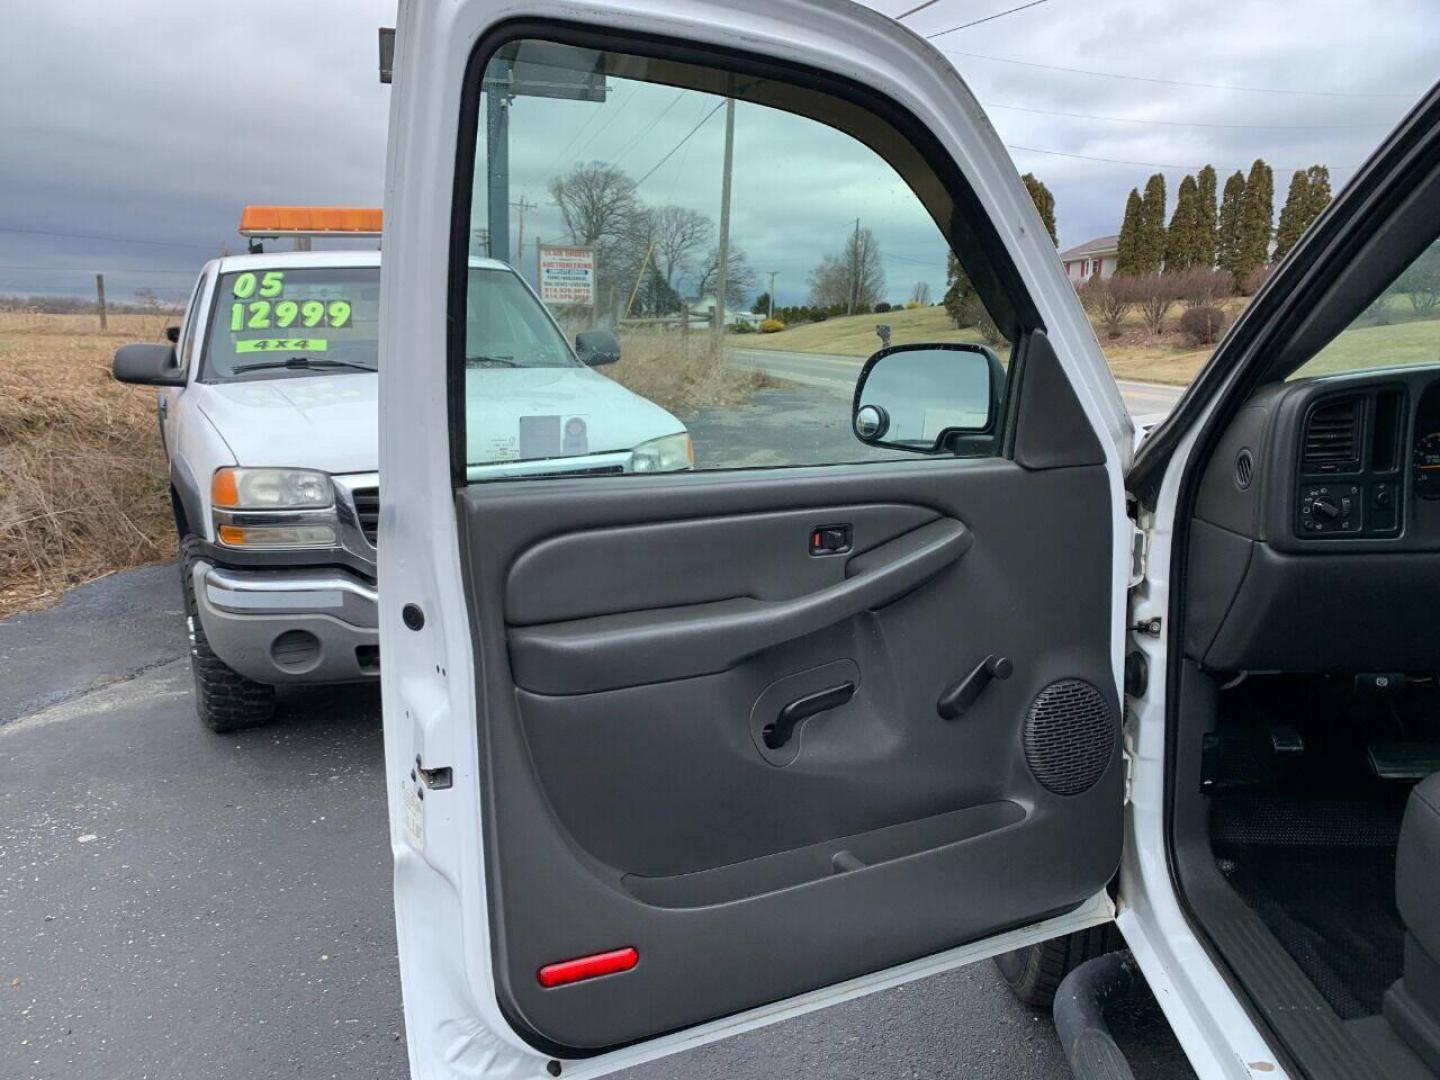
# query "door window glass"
(1400, 327)
(741, 245)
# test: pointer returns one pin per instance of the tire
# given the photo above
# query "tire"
(225, 700)
(1035, 972)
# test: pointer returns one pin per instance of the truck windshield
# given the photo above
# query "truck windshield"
(293, 322)
(507, 326)
(290, 323)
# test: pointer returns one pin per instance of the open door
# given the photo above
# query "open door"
(717, 676)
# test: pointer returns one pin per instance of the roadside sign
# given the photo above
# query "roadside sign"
(567, 274)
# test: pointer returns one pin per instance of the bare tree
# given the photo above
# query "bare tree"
(852, 277)
(680, 235)
(1203, 286)
(920, 293)
(740, 277)
(597, 202)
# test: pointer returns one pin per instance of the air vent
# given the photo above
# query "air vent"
(1244, 468)
(1332, 437)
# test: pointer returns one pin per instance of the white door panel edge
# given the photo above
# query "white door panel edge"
(1218, 1036)
(453, 1023)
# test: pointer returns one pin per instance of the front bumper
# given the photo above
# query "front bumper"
(297, 625)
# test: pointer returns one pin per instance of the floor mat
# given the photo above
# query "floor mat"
(1333, 910)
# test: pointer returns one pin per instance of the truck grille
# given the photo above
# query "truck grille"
(367, 510)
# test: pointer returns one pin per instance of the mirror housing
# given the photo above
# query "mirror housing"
(923, 397)
(147, 365)
(172, 334)
(596, 347)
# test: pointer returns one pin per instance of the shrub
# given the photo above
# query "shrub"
(1155, 294)
(882, 307)
(1256, 278)
(911, 305)
(741, 328)
(1108, 300)
(819, 315)
(1202, 324)
(1378, 310)
(1203, 286)
(771, 326)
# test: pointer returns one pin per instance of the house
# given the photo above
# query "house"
(703, 311)
(1090, 258)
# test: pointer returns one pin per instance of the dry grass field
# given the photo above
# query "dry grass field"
(82, 476)
(682, 372)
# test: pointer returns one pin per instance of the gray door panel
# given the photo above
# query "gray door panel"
(633, 800)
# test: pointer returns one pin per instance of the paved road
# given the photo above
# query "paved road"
(177, 904)
(838, 373)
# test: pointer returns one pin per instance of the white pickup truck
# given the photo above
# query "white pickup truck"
(268, 415)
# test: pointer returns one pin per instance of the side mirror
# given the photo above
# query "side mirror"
(596, 347)
(172, 334)
(147, 365)
(916, 397)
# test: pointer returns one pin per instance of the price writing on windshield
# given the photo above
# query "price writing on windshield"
(293, 345)
(263, 314)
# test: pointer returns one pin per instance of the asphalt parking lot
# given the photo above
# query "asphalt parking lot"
(179, 904)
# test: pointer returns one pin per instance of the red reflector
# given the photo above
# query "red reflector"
(588, 967)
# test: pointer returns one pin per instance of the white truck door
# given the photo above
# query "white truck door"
(675, 753)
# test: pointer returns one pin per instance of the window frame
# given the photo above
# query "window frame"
(971, 235)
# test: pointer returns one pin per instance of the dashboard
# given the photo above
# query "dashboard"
(1316, 531)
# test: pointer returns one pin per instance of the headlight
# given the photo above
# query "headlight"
(271, 489)
(663, 455)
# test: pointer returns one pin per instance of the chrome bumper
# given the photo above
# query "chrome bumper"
(290, 626)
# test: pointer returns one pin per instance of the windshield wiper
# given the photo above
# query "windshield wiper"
(498, 361)
(301, 363)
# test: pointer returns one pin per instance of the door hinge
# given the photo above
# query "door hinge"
(436, 779)
(1139, 554)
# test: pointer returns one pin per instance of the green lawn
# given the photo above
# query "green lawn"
(854, 335)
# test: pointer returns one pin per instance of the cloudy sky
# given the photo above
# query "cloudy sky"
(134, 132)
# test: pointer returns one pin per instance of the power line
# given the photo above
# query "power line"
(913, 10)
(987, 18)
(681, 143)
(100, 236)
(1179, 82)
(1185, 123)
(1157, 164)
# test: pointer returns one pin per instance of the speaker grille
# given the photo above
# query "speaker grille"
(1069, 736)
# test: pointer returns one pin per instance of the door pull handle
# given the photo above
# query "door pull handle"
(954, 701)
(777, 734)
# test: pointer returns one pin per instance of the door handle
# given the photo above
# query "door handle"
(778, 733)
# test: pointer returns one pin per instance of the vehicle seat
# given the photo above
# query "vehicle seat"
(1412, 1004)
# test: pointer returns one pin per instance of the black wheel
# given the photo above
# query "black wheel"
(224, 699)
(1034, 972)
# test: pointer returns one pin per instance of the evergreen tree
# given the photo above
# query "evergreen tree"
(1319, 177)
(1205, 181)
(1294, 215)
(1044, 202)
(1182, 239)
(1127, 255)
(1227, 233)
(1257, 214)
(958, 290)
(1152, 225)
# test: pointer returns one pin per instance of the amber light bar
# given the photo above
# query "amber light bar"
(266, 221)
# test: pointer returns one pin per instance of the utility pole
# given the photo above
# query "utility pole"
(724, 270)
(523, 205)
(771, 294)
(855, 269)
(100, 297)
